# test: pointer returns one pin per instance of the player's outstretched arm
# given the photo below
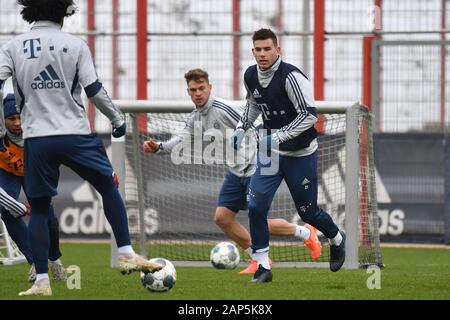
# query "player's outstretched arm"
(165, 147)
(14, 207)
(151, 146)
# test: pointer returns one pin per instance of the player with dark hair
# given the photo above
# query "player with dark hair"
(49, 69)
(11, 180)
(283, 94)
(214, 113)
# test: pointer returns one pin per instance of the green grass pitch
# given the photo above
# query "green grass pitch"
(409, 274)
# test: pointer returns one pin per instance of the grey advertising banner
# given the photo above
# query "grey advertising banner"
(411, 185)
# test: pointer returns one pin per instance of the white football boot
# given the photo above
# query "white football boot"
(58, 271)
(39, 288)
(129, 263)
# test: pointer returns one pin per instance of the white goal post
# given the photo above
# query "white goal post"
(171, 210)
(9, 252)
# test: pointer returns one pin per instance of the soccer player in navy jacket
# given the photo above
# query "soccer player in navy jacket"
(283, 94)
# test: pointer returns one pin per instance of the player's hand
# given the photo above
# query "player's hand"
(151, 146)
(236, 138)
(28, 206)
(119, 131)
(116, 180)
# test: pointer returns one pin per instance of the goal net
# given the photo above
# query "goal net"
(171, 207)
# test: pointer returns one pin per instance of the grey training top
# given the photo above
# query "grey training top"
(49, 68)
(214, 123)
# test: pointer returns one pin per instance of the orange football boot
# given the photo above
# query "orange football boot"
(313, 243)
(251, 269)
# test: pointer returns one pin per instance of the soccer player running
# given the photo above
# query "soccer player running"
(283, 94)
(49, 69)
(11, 180)
(215, 113)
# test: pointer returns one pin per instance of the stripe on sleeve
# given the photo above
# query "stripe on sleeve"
(297, 92)
(294, 124)
(230, 111)
(244, 118)
(10, 204)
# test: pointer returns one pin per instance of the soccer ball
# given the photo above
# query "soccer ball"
(161, 280)
(225, 255)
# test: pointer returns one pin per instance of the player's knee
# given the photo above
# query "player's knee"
(258, 211)
(253, 213)
(40, 205)
(258, 204)
(308, 213)
(223, 217)
(104, 183)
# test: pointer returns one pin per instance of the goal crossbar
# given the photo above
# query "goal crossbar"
(185, 106)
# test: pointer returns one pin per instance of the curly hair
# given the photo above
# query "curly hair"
(52, 10)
